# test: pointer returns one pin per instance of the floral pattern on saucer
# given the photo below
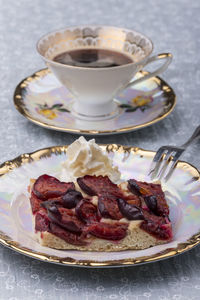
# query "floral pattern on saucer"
(43, 100)
(51, 112)
(142, 101)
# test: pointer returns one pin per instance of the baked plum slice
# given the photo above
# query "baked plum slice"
(69, 237)
(108, 207)
(97, 185)
(114, 232)
(158, 226)
(35, 203)
(46, 187)
(68, 200)
(65, 218)
(130, 211)
(87, 212)
(156, 204)
(41, 220)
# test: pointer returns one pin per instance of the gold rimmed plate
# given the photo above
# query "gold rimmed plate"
(16, 232)
(43, 100)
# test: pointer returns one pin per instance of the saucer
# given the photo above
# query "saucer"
(42, 99)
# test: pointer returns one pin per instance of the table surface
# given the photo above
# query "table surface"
(174, 27)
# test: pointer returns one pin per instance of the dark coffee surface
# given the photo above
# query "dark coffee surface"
(93, 58)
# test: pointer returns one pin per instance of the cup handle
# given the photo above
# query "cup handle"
(167, 57)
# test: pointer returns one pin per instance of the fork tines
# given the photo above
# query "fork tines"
(164, 162)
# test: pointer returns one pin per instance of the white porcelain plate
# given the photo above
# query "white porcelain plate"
(182, 192)
(43, 100)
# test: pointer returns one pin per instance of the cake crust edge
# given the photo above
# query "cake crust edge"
(136, 239)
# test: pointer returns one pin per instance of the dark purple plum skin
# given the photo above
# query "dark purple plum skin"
(130, 211)
(71, 198)
(85, 188)
(151, 202)
(134, 187)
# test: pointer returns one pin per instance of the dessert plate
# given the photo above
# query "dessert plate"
(182, 192)
(43, 100)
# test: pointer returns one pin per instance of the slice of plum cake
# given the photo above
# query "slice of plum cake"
(96, 214)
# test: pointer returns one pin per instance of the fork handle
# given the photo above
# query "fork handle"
(193, 137)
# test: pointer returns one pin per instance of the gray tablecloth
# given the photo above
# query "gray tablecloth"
(173, 26)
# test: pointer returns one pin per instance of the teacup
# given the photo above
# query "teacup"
(95, 89)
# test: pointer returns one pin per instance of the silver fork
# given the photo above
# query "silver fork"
(166, 158)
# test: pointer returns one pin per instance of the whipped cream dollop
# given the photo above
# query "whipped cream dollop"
(87, 158)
